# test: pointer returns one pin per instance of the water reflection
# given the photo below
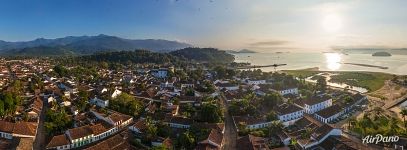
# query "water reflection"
(333, 61)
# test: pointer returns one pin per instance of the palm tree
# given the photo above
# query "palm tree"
(275, 126)
(351, 121)
(404, 114)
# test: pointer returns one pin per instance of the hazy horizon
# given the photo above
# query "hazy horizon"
(230, 24)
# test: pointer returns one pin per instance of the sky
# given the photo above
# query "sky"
(263, 25)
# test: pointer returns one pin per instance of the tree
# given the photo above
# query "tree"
(211, 113)
(104, 65)
(186, 140)
(190, 92)
(250, 110)
(271, 116)
(151, 132)
(307, 133)
(135, 108)
(352, 120)
(321, 84)
(348, 99)
(57, 121)
(161, 147)
(175, 101)
(272, 99)
(163, 130)
(189, 110)
(220, 72)
(365, 123)
(9, 103)
(393, 127)
(1, 108)
(275, 126)
(404, 114)
(126, 104)
(60, 70)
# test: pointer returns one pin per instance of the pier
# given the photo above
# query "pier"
(260, 66)
(366, 65)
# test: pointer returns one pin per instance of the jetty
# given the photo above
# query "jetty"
(366, 65)
(260, 66)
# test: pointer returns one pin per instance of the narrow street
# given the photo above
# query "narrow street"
(40, 138)
(230, 134)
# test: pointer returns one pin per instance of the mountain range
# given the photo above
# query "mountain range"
(83, 45)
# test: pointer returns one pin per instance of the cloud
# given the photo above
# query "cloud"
(269, 43)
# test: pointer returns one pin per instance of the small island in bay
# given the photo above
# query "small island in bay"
(381, 54)
(246, 51)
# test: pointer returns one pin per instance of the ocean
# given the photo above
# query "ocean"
(396, 64)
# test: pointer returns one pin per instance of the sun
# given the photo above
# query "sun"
(332, 23)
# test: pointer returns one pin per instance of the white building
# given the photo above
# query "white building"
(315, 103)
(139, 126)
(51, 99)
(179, 122)
(84, 135)
(289, 113)
(99, 102)
(286, 91)
(329, 114)
(116, 93)
(333, 112)
(255, 82)
(187, 85)
(227, 86)
(319, 135)
(250, 122)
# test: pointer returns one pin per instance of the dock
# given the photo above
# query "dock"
(260, 66)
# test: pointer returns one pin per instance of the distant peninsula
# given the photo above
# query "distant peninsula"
(381, 54)
(242, 51)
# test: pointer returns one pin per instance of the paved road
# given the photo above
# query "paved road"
(230, 134)
(40, 138)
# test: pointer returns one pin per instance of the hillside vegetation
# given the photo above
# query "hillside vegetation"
(210, 55)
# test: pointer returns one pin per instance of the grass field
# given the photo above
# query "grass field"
(304, 72)
(369, 80)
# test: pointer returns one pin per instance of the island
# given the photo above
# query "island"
(381, 54)
(246, 51)
(241, 51)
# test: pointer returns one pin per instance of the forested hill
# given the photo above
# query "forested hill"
(204, 55)
(85, 45)
(210, 55)
(39, 51)
(137, 56)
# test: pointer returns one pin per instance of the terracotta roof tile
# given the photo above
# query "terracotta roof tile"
(98, 129)
(25, 128)
(80, 132)
(250, 142)
(58, 140)
(6, 126)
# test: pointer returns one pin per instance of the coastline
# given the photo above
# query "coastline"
(372, 81)
(353, 62)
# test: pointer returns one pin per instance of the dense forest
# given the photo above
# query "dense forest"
(137, 56)
(204, 55)
(39, 51)
(144, 56)
(201, 55)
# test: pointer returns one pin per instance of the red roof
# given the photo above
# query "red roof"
(25, 128)
(6, 126)
(80, 132)
(58, 140)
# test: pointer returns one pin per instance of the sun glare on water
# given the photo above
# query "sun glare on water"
(333, 61)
